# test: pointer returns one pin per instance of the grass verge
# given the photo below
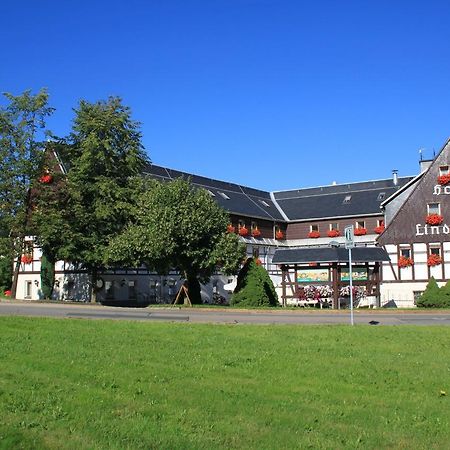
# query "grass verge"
(109, 384)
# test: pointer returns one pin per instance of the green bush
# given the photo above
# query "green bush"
(6, 272)
(254, 287)
(47, 276)
(435, 297)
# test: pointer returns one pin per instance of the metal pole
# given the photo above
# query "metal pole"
(351, 284)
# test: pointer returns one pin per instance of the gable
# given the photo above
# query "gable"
(410, 222)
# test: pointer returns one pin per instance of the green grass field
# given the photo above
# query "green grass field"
(116, 385)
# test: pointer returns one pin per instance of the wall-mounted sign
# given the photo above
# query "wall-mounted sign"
(311, 275)
(358, 274)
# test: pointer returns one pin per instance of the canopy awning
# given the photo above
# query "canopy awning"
(329, 255)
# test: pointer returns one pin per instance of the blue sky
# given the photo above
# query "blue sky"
(270, 94)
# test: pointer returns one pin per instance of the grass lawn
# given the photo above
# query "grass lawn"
(116, 385)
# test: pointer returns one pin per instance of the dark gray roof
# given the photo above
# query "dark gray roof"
(242, 200)
(328, 201)
(327, 254)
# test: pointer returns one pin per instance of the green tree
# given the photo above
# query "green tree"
(22, 135)
(444, 292)
(254, 287)
(431, 298)
(177, 226)
(92, 204)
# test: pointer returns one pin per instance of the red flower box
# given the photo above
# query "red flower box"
(256, 233)
(314, 234)
(360, 231)
(230, 228)
(279, 235)
(403, 261)
(243, 231)
(258, 262)
(333, 233)
(434, 260)
(26, 259)
(8, 293)
(434, 219)
(379, 229)
(444, 179)
(46, 179)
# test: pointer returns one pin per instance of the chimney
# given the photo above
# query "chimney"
(395, 177)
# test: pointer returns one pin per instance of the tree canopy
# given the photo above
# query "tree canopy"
(22, 135)
(177, 226)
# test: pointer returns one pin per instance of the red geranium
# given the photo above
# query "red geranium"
(279, 235)
(379, 229)
(256, 233)
(434, 219)
(8, 293)
(403, 261)
(26, 259)
(333, 233)
(46, 179)
(444, 179)
(243, 231)
(360, 231)
(258, 262)
(434, 260)
(230, 228)
(314, 234)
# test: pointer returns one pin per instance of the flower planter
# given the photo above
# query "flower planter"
(231, 229)
(360, 231)
(256, 233)
(258, 262)
(314, 234)
(26, 259)
(434, 219)
(279, 235)
(444, 179)
(243, 231)
(403, 261)
(333, 233)
(379, 229)
(434, 260)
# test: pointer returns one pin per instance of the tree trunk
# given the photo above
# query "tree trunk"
(194, 290)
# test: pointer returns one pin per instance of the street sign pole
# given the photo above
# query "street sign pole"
(349, 244)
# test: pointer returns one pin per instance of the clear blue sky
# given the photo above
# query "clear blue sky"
(270, 94)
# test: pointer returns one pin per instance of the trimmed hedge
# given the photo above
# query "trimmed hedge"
(435, 297)
(254, 287)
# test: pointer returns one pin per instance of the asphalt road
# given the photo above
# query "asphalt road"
(200, 315)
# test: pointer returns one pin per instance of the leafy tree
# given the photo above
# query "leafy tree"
(444, 292)
(22, 132)
(254, 287)
(431, 298)
(76, 219)
(177, 226)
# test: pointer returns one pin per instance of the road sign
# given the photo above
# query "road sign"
(349, 237)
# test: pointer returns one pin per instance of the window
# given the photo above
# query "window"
(109, 289)
(264, 203)
(347, 199)
(381, 196)
(334, 226)
(405, 252)
(255, 252)
(435, 251)
(444, 170)
(380, 223)
(223, 195)
(254, 226)
(241, 224)
(360, 224)
(434, 208)
(314, 227)
(131, 289)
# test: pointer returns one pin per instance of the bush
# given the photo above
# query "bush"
(254, 287)
(435, 297)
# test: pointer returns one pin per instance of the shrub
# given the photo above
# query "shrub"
(254, 287)
(433, 297)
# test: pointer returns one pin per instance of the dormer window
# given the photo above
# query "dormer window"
(264, 203)
(347, 199)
